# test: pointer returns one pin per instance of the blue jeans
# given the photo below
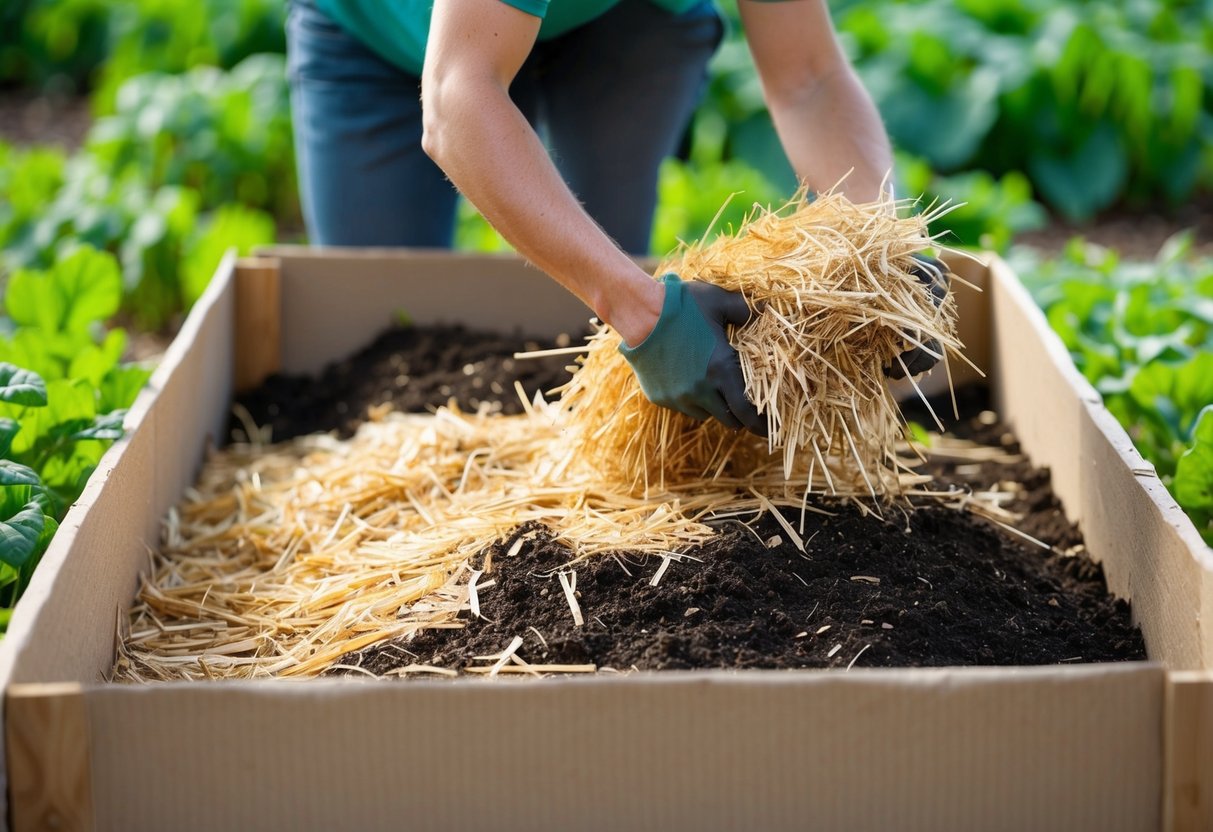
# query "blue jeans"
(611, 100)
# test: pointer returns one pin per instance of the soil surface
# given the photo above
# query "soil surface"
(928, 587)
(416, 369)
(1137, 234)
(27, 118)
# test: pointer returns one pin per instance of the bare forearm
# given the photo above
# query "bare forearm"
(826, 120)
(486, 147)
(830, 128)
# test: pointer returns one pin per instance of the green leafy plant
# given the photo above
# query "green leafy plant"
(29, 180)
(189, 166)
(1142, 333)
(26, 526)
(167, 246)
(63, 396)
(694, 200)
(988, 211)
(1093, 102)
(53, 44)
(148, 228)
(708, 192)
(1194, 471)
(178, 35)
(231, 226)
(226, 135)
(74, 45)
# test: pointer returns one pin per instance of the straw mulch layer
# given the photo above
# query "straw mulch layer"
(939, 588)
(956, 590)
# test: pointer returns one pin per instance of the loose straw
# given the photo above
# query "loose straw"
(286, 558)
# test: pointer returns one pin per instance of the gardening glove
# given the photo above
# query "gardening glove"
(934, 275)
(687, 364)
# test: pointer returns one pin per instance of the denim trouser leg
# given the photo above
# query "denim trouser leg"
(363, 178)
(617, 96)
(611, 98)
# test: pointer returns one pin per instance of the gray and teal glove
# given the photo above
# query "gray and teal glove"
(934, 275)
(687, 363)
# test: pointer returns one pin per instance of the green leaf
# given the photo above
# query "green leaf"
(1085, 181)
(20, 535)
(21, 387)
(1202, 431)
(232, 226)
(8, 429)
(1194, 383)
(14, 473)
(83, 288)
(1152, 389)
(946, 127)
(31, 350)
(1193, 484)
(92, 362)
(104, 426)
(1152, 381)
(72, 407)
(66, 476)
(120, 387)
(49, 526)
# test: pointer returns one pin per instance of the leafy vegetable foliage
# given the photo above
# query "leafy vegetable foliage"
(63, 397)
(1093, 102)
(1142, 333)
(225, 135)
(77, 44)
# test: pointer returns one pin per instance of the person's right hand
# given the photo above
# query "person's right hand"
(687, 363)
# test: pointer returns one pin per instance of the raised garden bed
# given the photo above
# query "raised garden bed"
(1109, 746)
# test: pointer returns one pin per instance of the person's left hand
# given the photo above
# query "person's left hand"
(687, 363)
(935, 276)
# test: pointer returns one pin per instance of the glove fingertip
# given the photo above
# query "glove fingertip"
(736, 310)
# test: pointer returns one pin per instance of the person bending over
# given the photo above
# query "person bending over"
(552, 117)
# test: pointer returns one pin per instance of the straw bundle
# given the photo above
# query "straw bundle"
(285, 558)
(836, 304)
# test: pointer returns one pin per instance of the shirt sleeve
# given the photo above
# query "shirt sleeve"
(537, 8)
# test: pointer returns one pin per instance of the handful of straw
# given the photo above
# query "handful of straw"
(835, 304)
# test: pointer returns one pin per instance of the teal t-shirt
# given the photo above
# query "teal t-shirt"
(396, 30)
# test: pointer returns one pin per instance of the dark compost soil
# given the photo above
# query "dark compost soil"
(930, 587)
(415, 369)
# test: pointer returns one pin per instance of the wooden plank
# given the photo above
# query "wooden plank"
(334, 301)
(1188, 787)
(1069, 749)
(258, 352)
(50, 776)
